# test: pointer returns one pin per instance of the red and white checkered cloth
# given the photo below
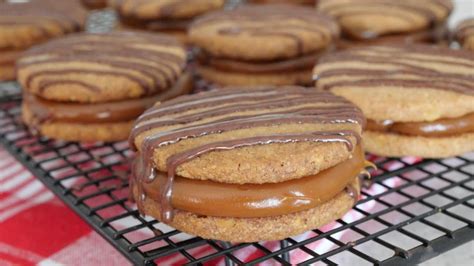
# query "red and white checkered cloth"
(36, 228)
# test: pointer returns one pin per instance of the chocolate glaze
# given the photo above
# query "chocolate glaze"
(156, 25)
(340, 9)
(144, 171)
(402, 60)
(439, 128)
(270, 20)
(125, 58)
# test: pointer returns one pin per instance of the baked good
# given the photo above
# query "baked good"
(299, 2)
(95, 4)
(376, 22)
(464, 34)
(167, 16)
(25, 24)
(90, 87)
(261, 44)
(418, 99)
(248, 164)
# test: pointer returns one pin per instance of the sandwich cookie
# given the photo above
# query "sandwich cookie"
(91, 87)
(167, 16)
(247, 165)
(418, 99)
(23, 25)
(464, 34)
(371, 22)
(261, 44)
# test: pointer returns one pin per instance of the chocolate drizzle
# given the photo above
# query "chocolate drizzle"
(154, 62)
(409, 66)
(221, 112)
(272, 20)
(407, 10)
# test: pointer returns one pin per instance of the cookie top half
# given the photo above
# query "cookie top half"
(401, 83)
(164, 9)
(464, 34)
(258, 135)
(263, 32)
(25, 24)
(89, 67)
(367, 19)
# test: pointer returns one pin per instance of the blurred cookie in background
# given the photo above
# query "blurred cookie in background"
(372, 22)
(464, 34)
(298, 2)
(166, 16)
(23, 25)
(95, 4)
(262, 44)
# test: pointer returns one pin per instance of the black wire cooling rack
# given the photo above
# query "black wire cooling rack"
(412, 210)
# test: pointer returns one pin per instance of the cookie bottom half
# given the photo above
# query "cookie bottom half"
(301, 77)
(397, 145)
(256, 229)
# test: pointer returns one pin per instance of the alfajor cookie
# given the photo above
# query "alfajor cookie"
(418, 99)
(25, 24)
(464, 34)
(89, 87)
(371, 22)
(261, 44)
(246, 165)
(167, 16)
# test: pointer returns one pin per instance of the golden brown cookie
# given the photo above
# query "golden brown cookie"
(25, 24)
(407, 20)
(166, 16)
(285, 41)
(92, 86)
(464, 34)
(215, 158)
(415, 97)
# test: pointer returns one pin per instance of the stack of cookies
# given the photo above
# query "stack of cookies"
(371, 22)
(166, 16)
(23, 25)
(261, 44)
(419, 99)
(245, 165)
(90, 87)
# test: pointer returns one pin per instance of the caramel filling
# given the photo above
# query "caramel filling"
(109, 112)
(259, 200)
(439, 128)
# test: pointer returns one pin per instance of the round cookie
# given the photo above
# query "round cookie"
(464, 34)
(273, 31)
(25, 24)
(418, 98)
(209, 163)
(164, 9)
(91, 68)
(371, 19)
(91, 87)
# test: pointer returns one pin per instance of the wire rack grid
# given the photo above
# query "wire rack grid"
(412, 209)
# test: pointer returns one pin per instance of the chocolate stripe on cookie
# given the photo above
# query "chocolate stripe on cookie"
(416, 66)
(154, 62)
(421, 14)
(292, 22)
(464, 30)
(215, 113)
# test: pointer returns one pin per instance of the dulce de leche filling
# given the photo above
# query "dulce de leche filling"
(259, 200)
(109, 112)
(439, 128)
